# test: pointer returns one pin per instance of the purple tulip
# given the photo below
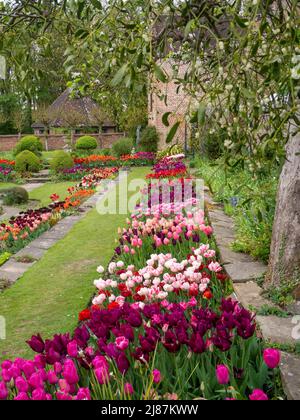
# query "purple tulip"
(22, 396)
(58, 368)
(36, 343)
(258, 395)
(102, 375)
(128, 389)
(272, 358)
(83, 394)
(122, 363)
(3, 391)
(35, 381)
(52, 378)
(39, 395)
(21, 384)
(156, 376)
(28, 369)
(70, 372)
(223, 375)
(72, 349)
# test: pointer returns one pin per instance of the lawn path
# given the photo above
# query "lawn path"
(49, 296)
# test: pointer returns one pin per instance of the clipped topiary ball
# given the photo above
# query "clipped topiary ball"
(86, 143)
(61, 161)
(31, 143)
(16, 195)
(27, 162)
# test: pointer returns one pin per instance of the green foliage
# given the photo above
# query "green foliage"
(31, 143)
(27, 161)
(149, 140)
(283, 294)
(61, 160)
(86, 143)
(267, 310)
(105, 152)
(5, 256)
(122, 147)
(15, 196)
(249, 199)
(175, 149)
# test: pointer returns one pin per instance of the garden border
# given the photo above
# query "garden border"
(13, 270)
(244, 272)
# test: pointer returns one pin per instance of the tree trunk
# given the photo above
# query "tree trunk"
(285, 249)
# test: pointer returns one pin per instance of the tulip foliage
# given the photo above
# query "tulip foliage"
(160, 325)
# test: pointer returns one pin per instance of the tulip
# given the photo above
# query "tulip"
(223, 375)
(128, 389)
(83, 394)
(102, 375)
(70, 372)
(35, 381)
(272, 358)
(72, 349)
(21, 384)
(22, 396)
(64, 386)
(122, 343)
(37, 344)
(3, 391)
(52, 378)
(258, 395)
(156, 376)
(39, 395)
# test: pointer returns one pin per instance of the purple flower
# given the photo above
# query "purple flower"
(72, 349)
(102, 374)
(21, 397)
(36, 343)
(156, 376)
(128, 389)
(83, 394)
(70, 372)
(52, 377)
(197, 344)
(272, 358)
(223, 375)
(36, 381)
(258, 395)
(21, 384)
(122, 363)
(3, 391)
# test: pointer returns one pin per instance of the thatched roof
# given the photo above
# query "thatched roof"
(68, 109)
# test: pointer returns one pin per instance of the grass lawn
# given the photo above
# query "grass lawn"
(44, 192)
(48, 298)
(4, 185)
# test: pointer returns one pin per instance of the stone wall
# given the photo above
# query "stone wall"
(59, 141)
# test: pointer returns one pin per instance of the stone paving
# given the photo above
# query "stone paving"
(244, 272)
(13, 270)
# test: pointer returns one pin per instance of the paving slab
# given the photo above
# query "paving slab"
(277, 330)
(13, 270)
(31, 251)
(290, 374)
(44, 243)
(32, 186)
(250, 294)
(242, 272)
(9, 212)
(230, 257)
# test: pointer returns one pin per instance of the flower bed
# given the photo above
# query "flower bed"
(159, 327)
(29, 225)
(6, 170)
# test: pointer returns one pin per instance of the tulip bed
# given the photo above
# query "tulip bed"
(160, 326)
(6, 170)
(29, 225)
(84, 165)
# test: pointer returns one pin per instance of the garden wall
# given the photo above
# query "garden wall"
(59, 141)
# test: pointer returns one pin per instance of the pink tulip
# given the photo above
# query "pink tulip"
(223, 375)
(3, 391)
(102, 375)
(272, 358)
(72, 349)
(70, 372)
(128, 389)
(122, 343)
(52, 378)
(21, 384)
(258, 395)
(83, 394)
(156, 376)
(21, 397)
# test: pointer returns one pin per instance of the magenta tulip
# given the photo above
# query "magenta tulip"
(83, 394)
(272, 358)
(128, 389)
(72, 349)
(102, 375)
(3, 391)
(122, 343)
(21, 397)
(21, 384)
(258, 395)
(70, 372)
(223, 375)
(156, 376)
(52, 378)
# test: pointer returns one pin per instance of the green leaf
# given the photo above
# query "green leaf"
(173, 132)
(189, 27)
(201, 114)
(97, 4)
(165, 119)
(160, 74)
(120, 75)
(243, 23)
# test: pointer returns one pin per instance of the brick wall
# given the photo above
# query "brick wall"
(59, 141)
(177, 102)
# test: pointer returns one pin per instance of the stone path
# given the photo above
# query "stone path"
(12, 270)
(244, 272)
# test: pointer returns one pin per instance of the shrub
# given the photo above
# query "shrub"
(27, 161)
(61, 161)
(86, 143)
(31, 143)
(149, 140)
(122, 147)
(105, 152)
(16, 195)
